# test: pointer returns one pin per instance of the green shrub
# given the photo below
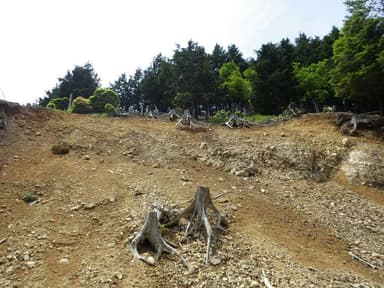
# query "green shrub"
(101, 97)
(81, 105)
(220, 116)
(59, 103)
(51, 105)
(109, 108)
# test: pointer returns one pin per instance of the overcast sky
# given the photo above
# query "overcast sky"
(42, 39)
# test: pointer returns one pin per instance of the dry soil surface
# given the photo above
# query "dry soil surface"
(294, 216)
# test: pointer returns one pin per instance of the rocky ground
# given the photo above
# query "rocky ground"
(304, 202)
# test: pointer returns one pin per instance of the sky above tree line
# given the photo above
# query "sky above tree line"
(42, 39)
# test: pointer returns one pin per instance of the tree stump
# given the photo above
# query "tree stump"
(196, 212)
(151, 233)
(187, 122)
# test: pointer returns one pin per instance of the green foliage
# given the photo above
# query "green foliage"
(193, 75)
(238, 88)
(109, 108)
(220, 116)
(82, 80)
(81, 105)
(358, 56)
(30, 197)
(51, 105)
(314, 81)
(158, 85)
(59, 103)
(101, 97)
(259, 118)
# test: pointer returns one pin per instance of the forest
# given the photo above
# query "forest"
(343, 69)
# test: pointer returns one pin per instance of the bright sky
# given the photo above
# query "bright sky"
(42, 39)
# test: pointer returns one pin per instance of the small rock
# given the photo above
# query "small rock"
(61, 148)
(119, 275)
(345, 141)
(64, 260)
(89, 206)
(38, 134)
(203, 145)
(9, 270)
(150, 260)
(221, 179)
(254, 284)
(87, 157)
(232, 207)
(77, 207)
(215, 260)
(30, 264)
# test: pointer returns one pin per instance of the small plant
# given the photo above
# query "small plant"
(220, 116)
(59, 103)
(30, 197)
(81, 105)
(109, 109)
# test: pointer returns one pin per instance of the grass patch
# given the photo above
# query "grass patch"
(259, 118)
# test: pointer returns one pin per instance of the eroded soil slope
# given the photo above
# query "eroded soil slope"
(292, 212)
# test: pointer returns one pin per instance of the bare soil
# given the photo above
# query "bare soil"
(296, 217)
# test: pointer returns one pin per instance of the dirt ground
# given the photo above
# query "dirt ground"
(294, 216)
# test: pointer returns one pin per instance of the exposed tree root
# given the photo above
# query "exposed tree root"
(151, 233)
(196, 212)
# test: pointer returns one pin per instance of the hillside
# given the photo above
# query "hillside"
(297, 217)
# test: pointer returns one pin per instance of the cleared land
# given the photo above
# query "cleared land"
(295, 218)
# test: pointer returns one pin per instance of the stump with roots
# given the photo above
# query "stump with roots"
(236, 121)
(151, 233)
(197, 214)
(187, 122)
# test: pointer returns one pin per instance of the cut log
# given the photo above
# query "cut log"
(151, 233)
(197, 214)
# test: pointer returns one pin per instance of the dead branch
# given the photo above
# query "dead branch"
(151, 233)
(362, 260)
(196, 212)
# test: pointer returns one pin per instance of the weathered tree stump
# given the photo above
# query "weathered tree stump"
(187, 122)
(172, 115)
(237, 122)
(196, 212)
(349, 123)
(151, 233)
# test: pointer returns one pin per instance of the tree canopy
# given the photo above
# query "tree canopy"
(347, 63)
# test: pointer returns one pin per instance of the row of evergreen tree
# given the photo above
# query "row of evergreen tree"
(344, 68)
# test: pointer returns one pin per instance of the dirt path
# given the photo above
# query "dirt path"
(296, 218)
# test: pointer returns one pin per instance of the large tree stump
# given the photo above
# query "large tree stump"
(151, 233)
(187, 122)
(196, 212)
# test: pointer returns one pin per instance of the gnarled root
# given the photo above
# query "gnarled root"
(151, 232)
(196, 212)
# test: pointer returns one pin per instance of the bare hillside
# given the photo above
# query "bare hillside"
(297, 209)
